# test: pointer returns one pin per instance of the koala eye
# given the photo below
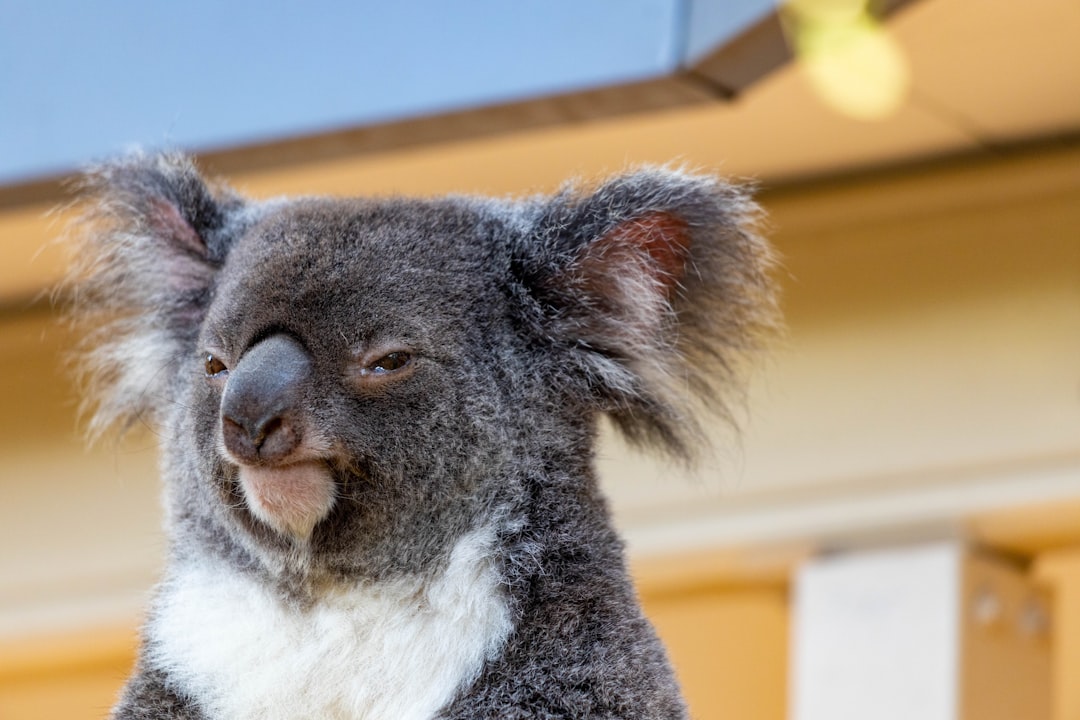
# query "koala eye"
(213, 366)
(379, 366)
(389, 363)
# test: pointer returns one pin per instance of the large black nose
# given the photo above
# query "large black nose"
(260, 408)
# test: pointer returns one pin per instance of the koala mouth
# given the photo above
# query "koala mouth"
(292, 499)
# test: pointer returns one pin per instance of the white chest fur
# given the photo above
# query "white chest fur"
(380, 653)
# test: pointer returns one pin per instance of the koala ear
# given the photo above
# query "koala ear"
(146, 251)
(650, 288)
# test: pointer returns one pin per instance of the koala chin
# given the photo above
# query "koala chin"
(377, 422)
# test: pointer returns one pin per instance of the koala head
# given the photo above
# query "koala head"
(343, 387)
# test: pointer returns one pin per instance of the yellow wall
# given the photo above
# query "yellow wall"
(729, 648)
(74, 675)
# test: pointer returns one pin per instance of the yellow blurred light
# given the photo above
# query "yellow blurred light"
(850, 60)
(828, 11)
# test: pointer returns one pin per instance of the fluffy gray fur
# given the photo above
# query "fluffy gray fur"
(524, 321)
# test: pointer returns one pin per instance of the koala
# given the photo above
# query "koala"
(377, 423)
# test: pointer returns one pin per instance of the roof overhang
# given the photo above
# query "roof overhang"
(245, 92)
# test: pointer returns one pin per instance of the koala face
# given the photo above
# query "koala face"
(348, 386)
(346, 409)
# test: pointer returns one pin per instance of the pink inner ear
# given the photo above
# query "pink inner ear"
(664, 238)
(167, 223)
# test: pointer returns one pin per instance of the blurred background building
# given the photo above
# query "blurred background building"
(896, 530)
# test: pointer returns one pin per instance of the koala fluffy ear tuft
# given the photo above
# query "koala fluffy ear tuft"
(145, 253)
(650, 288)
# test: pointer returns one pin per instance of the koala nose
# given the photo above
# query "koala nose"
(260, 406)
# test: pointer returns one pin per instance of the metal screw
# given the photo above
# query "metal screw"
(986, 606)
(1033, 620)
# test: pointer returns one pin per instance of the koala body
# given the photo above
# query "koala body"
(377, 423)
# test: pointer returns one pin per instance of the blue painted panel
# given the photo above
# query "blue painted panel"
(84, 79)
(81, 80)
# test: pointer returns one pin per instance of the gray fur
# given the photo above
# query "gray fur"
(525, 319)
